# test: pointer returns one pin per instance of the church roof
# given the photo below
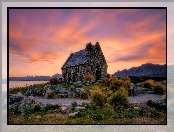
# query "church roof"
(76, 58)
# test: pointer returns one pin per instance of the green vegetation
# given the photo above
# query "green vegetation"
(109, 105)
(52, 95)
(54, 81)
(88, 78)
(98, 98)
(159, 89)
(93, 115)
(119, 100)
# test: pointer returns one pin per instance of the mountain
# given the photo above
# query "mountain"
(57, 76)
(145, 70)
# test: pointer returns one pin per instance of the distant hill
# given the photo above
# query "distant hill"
(145, 70)
(57, 76)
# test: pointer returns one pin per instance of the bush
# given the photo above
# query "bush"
(74, 104)
(126, 82)
(37, 108)
(97, 116)
(155, 114)
(84, 95)
(143, 112)
(89, 77)
(159, 89)
(157, 105)
(116, 84)
(149, 83)
(98, 98)
(77, 95)
(51, 107)
(109, 81)
(54, 81)
(123, 90)
(52, 95)
(119, 101)
(163, 98)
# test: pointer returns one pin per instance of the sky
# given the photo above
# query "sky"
(41, 40)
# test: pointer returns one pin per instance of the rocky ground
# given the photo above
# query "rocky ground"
(138, 99)
(61, 101)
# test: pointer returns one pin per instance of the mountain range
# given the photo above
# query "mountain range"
(145, 70)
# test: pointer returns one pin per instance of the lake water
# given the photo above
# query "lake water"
(13, 84)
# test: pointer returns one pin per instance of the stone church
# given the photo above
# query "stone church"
(87, 61)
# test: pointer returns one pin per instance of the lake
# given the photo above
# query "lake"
(13, 84)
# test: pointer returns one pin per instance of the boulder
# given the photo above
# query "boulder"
(72, 89)
(27, 103)
(15, 98)
(33, 92)
(79, 108)
(73, 114)
(58, 89)
(48, 91)
(91, 91)
(79, 89)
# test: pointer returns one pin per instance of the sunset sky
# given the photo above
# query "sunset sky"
(41, 40)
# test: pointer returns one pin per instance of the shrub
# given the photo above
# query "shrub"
(126, 82)
(123, 90)
(163, 98)
(116, 84)
(97, 116)
(143, 112)
(74, 104)
(149, 83)
(54, 81)
(155, 114)
(157, 105)
(51, 107)
(119, 101)
(37, 108)
(51, 95)
(84, 95)
(98, 98)
(109, 81)
(150, 103)
(89, 77)
(108, 75)
(159, 89)
(77, 95)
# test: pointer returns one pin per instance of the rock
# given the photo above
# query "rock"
(66, 108)
(58, 89)
(79, 108)
(15, 98)
(33, 92)
(48, 92)
(150, 92)
(27, 103)
(161, 103)
(72, 89)
(91, 91)
(137, 108)
(38, 116)
(15, 106)
(79, 89)
(73, 114)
